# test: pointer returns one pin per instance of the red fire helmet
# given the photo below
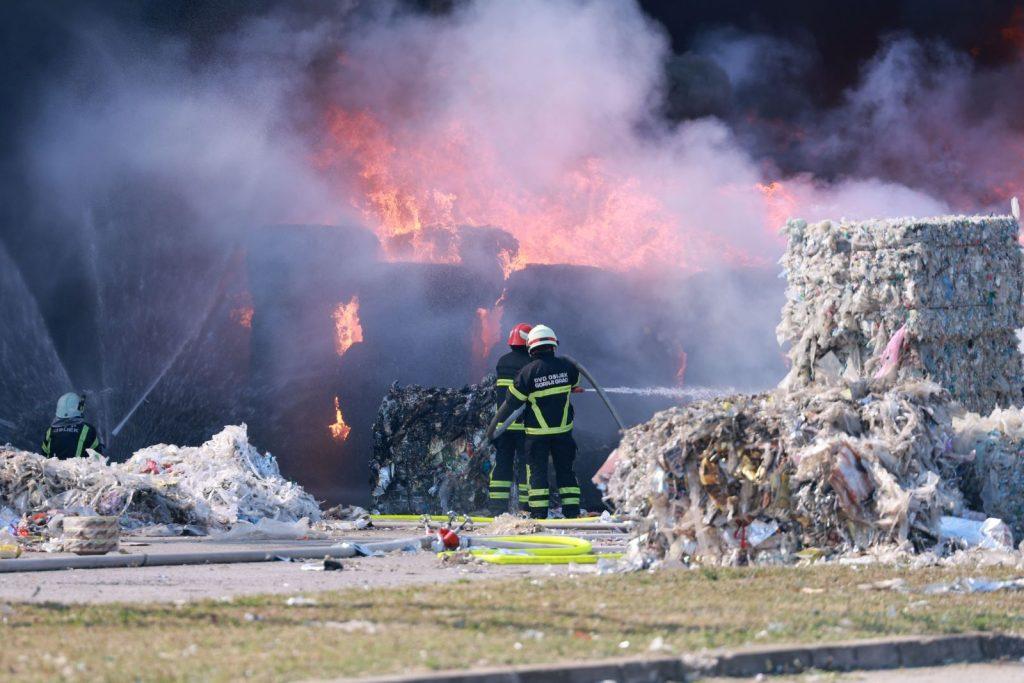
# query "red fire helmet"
(519, 334)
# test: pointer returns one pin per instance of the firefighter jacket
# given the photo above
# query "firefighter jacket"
(508, 367)
(545, 384)
(69, 437)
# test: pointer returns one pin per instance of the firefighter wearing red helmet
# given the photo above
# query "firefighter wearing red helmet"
(510, 455)
(546, 385)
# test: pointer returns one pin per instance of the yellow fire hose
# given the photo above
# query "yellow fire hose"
(479, 520)
(549, 550)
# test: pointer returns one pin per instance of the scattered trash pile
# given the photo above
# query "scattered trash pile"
(895, 327)
(938, 298)
(430, 452)
(994, 480)
(782, 475)
(213, 486)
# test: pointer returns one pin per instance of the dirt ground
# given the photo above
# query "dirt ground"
(184, 583)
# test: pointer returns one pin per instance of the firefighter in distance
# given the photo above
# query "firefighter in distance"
(69, 436)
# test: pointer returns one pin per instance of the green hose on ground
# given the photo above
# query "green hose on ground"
(550, 550)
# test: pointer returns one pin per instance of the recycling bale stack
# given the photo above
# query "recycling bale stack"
(781, 475)
(430, 450)
(942, 295)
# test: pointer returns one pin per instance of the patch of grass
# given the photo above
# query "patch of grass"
(360, 632)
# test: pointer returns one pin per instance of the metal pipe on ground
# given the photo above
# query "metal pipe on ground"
(340, 551)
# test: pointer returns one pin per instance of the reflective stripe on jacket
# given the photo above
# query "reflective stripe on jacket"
(546, 384)
(507, 368)
(69, 438)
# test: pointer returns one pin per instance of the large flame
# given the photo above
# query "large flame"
(780, 204)
(347, 328)
(416, 191)
(487, 333)
(339, 430)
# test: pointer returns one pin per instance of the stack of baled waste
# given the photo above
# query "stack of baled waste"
(430, 450)
(786, 474)
(937, 298)
(224, 481)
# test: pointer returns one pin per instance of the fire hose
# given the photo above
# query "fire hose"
(532, 550)
(491, 549)
(600, 392)
(338, 551)
(494, 430)
(589, 523)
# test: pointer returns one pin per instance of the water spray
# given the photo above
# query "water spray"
(692, 393)
(174, 357)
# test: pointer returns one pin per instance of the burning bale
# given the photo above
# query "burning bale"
(430, 452)
(769, 475)
(224, 481)
(938, 298)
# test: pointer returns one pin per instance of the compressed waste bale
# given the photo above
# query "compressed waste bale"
(91, 535)
(430, 452)
(952, 286)
(762, 477)
(214, 485)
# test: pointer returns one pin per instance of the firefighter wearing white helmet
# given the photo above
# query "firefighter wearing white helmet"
(69, 436)
(546, 384)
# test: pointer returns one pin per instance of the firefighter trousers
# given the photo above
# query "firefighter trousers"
(509, 470)
(561, 449)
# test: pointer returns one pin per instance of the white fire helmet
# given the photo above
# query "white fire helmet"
(70, 405)
(541, 335)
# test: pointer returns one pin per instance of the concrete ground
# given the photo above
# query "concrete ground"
(992, 672)
(222, 581)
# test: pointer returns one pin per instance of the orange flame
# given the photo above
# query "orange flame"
(681, 371)
(347, 328)
(488, 331)
(339, 430)
(417, 190)
(243, 316)
(780, 203)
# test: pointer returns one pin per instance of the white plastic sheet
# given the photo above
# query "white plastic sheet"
(215, 485)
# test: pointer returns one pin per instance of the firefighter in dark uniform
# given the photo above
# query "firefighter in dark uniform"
(510, 467)
(70, 435)
(545, 385)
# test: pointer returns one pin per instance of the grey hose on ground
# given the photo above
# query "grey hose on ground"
(339, 551)
(599, 390)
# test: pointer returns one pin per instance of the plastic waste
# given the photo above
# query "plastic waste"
(430, 446)
(9, 546)
(936, 298)
(991, 533)
(974, 585)
(268, 529)
(215, 485)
